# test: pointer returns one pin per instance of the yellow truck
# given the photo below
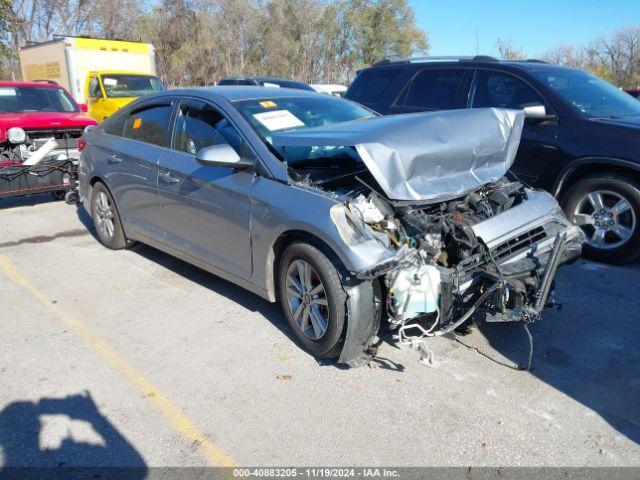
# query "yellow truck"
(102, 75)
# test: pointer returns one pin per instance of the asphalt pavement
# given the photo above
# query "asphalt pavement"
(134, 358)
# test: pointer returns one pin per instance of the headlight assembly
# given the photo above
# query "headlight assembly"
(16, 135)
(348, 228)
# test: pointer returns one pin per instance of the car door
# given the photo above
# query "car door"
(539, 149)
(132, 165)
(206, 209)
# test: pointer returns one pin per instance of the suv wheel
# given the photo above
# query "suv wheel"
(106, 219)
(607, 208)
(313, 299)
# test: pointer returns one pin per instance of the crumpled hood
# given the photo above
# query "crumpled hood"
(425, 156)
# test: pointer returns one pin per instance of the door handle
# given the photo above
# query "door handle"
(166, 177)
(113, 159)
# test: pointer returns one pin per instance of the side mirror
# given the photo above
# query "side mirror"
(83, 107)
(222, 155)
(536, 112)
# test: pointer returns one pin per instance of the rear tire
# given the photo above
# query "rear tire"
(313, 299)
(607, 208)
(106, 219)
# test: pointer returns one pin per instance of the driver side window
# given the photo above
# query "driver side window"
(199, 125)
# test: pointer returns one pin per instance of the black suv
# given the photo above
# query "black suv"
(581, 139)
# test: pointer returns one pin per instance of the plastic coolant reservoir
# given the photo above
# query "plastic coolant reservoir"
(421, 285)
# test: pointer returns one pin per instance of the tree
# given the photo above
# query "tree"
(383, 29)
(199, 41)
(615, 58)
(506, 50)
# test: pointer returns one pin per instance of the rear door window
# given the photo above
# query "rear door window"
(149, 124)
(497, 89)
(115, 125)
(432, 89)
(369, 85)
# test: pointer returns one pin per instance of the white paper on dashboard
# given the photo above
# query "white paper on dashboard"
(278, 120)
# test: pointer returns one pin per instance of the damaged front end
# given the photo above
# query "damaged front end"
(490, 256)
(451, 238)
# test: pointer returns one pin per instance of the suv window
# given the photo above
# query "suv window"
(432, 89)
(496, 89)
(149, 124)
(369, 85)
(199, 125)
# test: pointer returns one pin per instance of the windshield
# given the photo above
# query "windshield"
(119, 86)
(591, 96)
(35, 99)
(297, 113)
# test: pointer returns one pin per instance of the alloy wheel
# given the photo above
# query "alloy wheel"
(307, 299)
(104, 212)
(606, 217)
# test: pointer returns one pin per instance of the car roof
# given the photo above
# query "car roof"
(233, 93)
(478, 61)
(27, 84)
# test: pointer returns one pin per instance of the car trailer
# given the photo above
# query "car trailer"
(58, 177)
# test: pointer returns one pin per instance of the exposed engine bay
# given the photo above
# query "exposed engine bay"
(33, 146)
(487, 248)
(444, 273)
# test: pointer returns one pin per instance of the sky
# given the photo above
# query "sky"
(532, 25)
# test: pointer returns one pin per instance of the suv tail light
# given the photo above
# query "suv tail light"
(81, 144)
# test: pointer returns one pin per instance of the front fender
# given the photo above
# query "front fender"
(279, 208)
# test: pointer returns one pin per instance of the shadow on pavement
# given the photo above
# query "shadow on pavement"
(64, 438)
(248, 300)
(589, 350)
(27, 200)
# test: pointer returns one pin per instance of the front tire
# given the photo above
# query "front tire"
(313, 299)
(106, 219)
(607, 208)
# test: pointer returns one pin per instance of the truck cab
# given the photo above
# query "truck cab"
(108, 91)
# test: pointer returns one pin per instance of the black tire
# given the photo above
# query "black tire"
(71, 197)
(116, 240)
(619, 185)
(330, 343)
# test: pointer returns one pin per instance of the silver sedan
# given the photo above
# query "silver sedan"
(347, 219)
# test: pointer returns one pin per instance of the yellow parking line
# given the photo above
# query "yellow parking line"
(180, 422)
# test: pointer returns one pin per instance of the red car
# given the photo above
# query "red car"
(31, 113)
(634, 93)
